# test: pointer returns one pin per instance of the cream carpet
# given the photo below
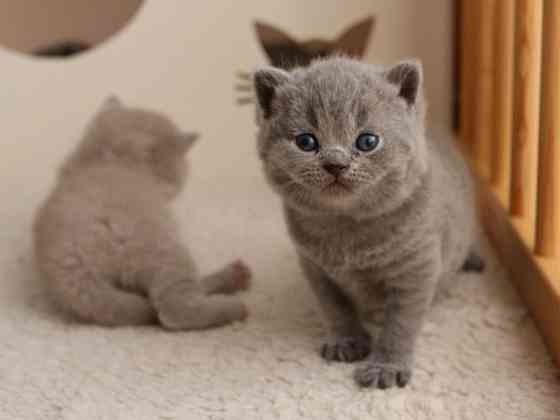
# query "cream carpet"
(480, 356)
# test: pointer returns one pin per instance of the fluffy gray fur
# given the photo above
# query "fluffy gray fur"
(392, 224)
(106, 241)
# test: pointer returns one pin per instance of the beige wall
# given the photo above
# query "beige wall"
(181, 57)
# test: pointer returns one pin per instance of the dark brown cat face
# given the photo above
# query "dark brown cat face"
(285, 52)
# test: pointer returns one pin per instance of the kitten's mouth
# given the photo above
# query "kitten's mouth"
(337, 187)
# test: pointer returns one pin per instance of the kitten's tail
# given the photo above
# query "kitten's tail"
(100, 302)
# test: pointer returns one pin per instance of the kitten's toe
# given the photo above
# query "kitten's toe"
(382, 375)
(403, 378)
(473, 263)
(241, 275)
(346, 349)
(232, 278)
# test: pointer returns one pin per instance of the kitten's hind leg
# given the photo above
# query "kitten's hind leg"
(233, 277)
(100, 302)
(473, 263)
(182, 304)
(348, 340)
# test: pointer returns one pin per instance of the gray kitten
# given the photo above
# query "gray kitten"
(106, 241)
(374, 208)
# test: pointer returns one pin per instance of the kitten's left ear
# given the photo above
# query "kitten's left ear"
(186, 140)
(408, 76)
(112, 102)
(267, 81)
(354, 40)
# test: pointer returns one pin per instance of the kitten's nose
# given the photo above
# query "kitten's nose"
(335, 169)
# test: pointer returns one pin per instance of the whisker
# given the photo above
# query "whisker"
(245, 101)
(243, 88)
(244, 75)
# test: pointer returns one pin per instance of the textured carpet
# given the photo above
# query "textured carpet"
(479, 357)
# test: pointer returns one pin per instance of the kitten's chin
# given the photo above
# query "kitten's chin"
(337, 195)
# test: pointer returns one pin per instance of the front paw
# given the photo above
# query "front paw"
(347, 349)
(383, 375)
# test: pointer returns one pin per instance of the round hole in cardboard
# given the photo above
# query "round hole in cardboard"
(62, 28)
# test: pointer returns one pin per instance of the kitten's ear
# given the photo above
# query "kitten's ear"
(267, 81)
(408, 76)
(112, 102)
(270, 36)
(186, 140)
(354, 40)
(279, 47)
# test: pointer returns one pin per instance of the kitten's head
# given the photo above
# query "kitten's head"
(342, 135)
(136, 138)
(285, 52)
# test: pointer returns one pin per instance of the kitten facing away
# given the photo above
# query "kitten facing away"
(377, 211)
(106, 241)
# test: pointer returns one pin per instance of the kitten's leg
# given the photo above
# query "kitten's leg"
(348, 340)
(474, 262)
(96, 300)
(182, 304)
(230, 279)
(408, 296)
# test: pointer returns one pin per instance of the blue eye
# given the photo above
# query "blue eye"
(367, 142)
(307, 142)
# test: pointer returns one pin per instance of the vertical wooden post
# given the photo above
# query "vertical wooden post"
(527, 77)
(548, 214)
(503, 96)
(469, 27)
(483, 73)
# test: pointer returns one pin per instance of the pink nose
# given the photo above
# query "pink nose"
(335, 169)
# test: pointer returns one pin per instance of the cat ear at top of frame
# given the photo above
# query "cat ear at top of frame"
(269, 35)
(280, 48)
(354, 40)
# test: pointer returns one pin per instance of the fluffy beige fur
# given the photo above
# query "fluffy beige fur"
(106, 241)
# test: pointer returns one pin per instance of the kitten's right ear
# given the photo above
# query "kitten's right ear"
(268, 34)
(267, 81)
(186, 140)
(112, 102)
(408, 77)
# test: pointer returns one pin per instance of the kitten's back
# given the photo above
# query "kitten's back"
(107, 222)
